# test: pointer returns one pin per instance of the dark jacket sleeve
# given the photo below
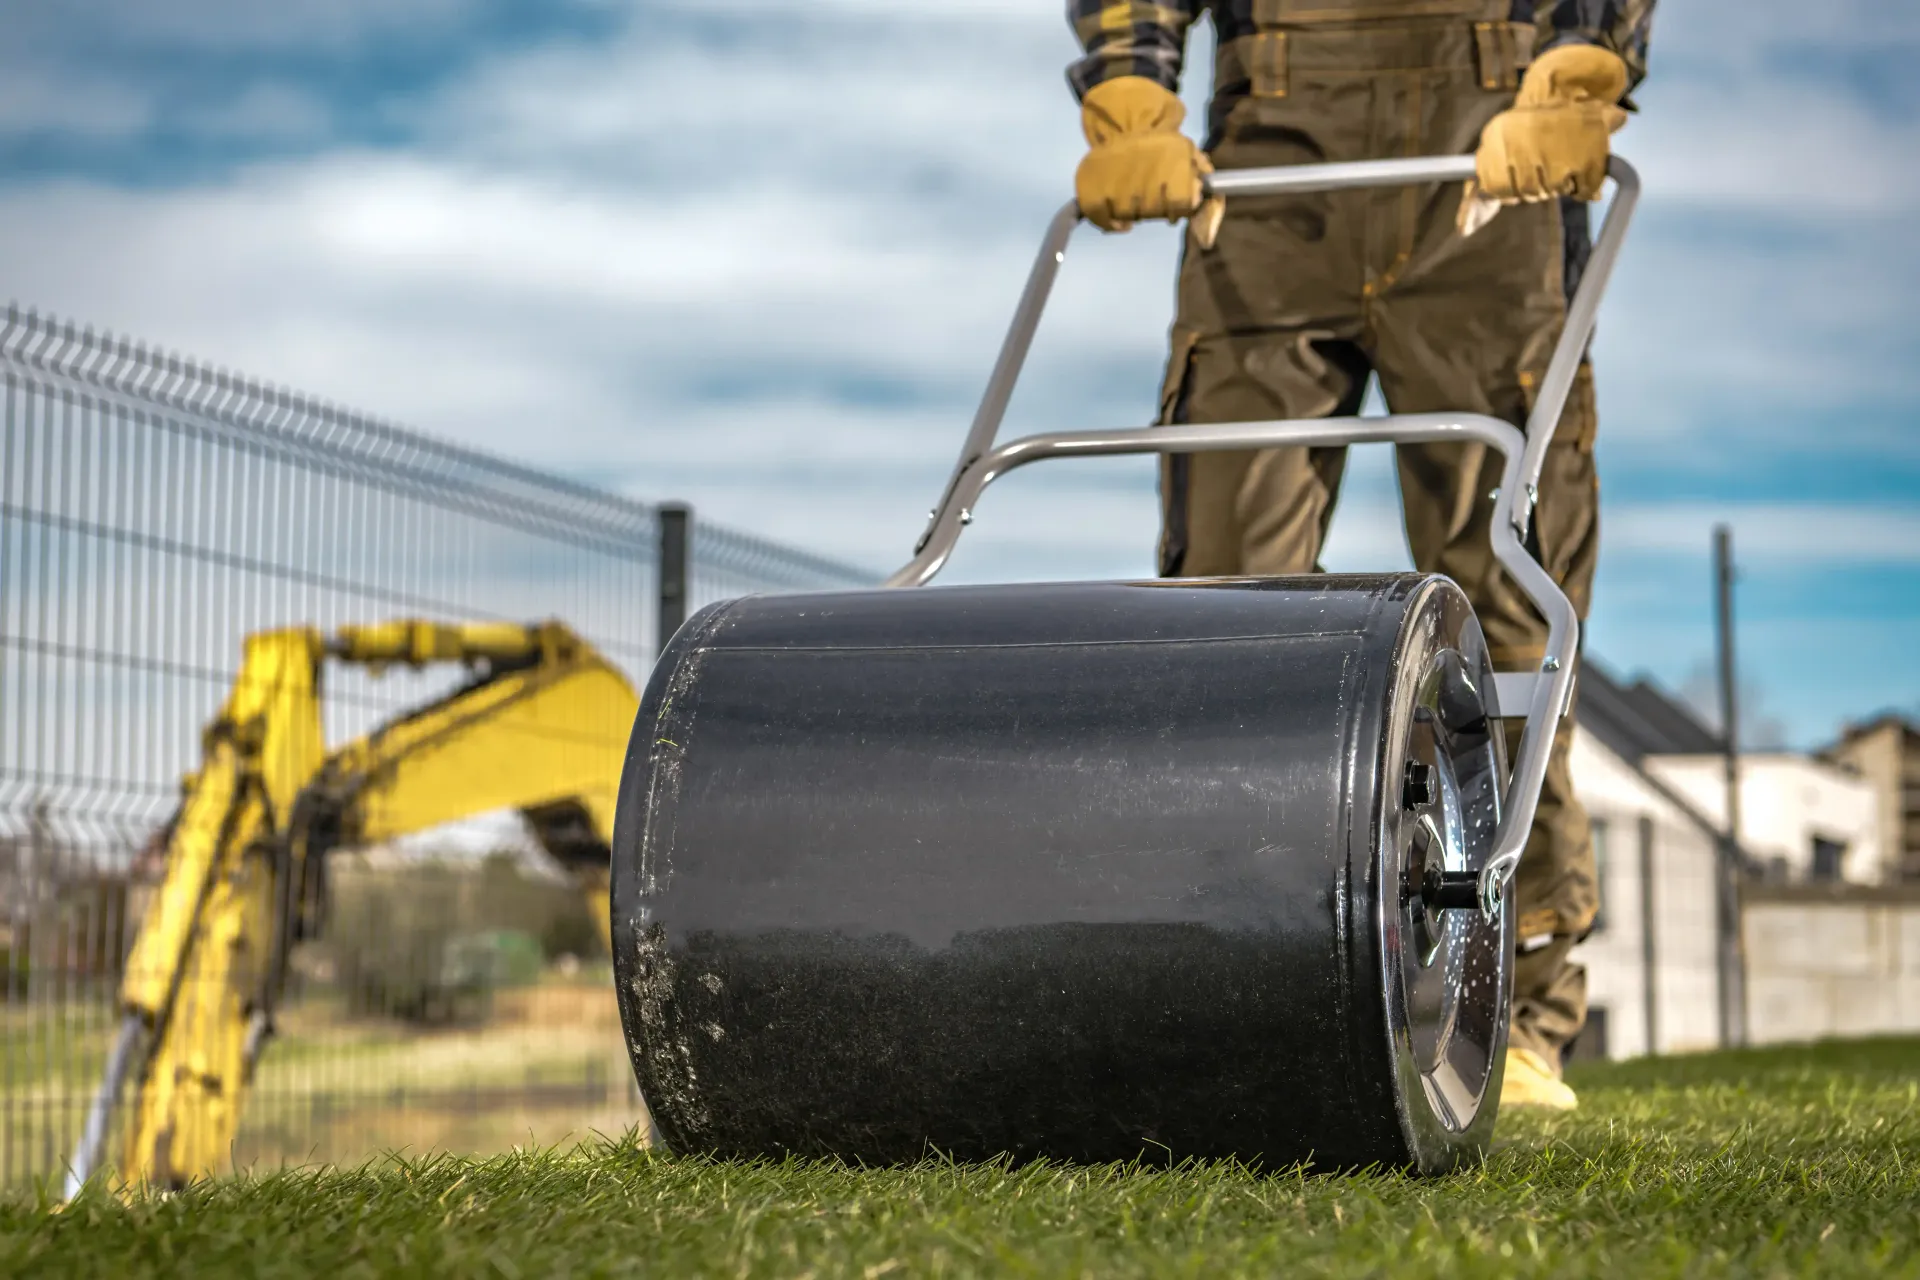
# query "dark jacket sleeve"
(1621, 26)
(1129, 38)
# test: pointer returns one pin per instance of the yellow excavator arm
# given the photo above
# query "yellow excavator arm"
(200, 959)
(546, 735)
(541, 728)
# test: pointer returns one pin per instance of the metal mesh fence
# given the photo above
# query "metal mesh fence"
(154, 513)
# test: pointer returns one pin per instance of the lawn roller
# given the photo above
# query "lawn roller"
(1102, 870)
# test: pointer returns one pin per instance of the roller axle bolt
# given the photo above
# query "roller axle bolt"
(1451, 890)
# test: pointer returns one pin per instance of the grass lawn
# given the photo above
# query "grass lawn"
(1770, 1162)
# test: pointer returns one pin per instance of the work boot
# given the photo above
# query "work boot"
(1531, 1082)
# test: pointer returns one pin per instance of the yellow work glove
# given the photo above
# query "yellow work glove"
(1553, 141)
(1139, 165)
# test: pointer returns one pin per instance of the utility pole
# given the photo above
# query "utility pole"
(1649, 940)
(674, 518)
(1731, 957)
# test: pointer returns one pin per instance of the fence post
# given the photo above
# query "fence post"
(675, 517)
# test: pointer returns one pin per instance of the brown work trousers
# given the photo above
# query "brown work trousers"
(1302, 297)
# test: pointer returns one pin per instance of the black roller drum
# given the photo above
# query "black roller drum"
(1090, 872)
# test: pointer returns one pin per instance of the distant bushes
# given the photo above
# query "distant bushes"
(429, 943)
(74, 934)
(15, 969)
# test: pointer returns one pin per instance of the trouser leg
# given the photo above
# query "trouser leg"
(1556, 895)
(1284, 318)
(1261, 511)
(1267, 328)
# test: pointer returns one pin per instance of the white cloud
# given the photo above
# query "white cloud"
(1779, 534)
(1019, 12)
(1746, 108)
(263, 112)
(1745, 34)
(1798, 150)
(1771, 279)
(39, 98)
(921, 123)
(86, 71)
(1716, 341)
(226, 25)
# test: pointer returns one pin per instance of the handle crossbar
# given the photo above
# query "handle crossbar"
(1545, 691)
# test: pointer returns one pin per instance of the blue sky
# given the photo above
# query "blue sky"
(757, 253)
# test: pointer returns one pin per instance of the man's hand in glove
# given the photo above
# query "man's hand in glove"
(1553, 141)
(1139, 164)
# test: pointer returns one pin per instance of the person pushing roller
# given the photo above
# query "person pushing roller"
(1452, 296)
(1211, 867)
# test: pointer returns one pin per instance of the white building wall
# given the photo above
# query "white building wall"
(1878, 754)
(1847, 966)
(1686, 984)
(1832, 961)
(1786, 801)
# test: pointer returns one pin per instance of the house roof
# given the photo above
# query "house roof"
(1885, 718)
(1638, 720)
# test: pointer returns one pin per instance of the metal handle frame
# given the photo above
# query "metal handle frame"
(1544, 692)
